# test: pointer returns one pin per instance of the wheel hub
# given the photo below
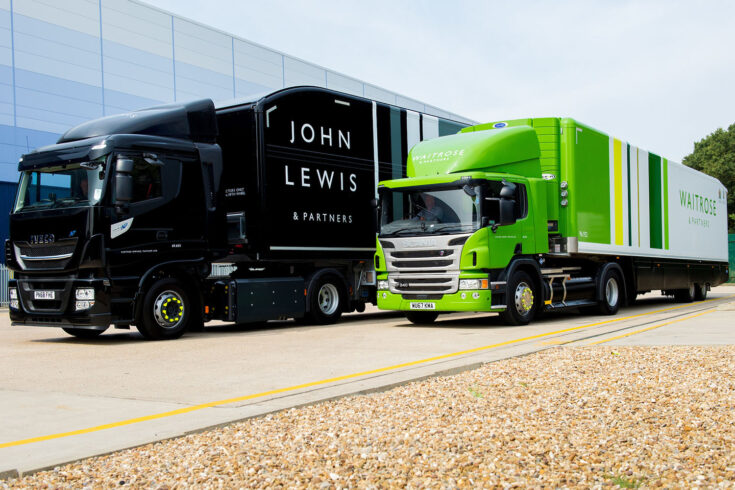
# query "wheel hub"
(328, 299)
(168, 309)
(611, 292)
(524, 298)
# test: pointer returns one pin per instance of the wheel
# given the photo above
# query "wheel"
(167, 311)
(326, 300)
(522, 300)
(84, 333)
(612, 292)
(421, 317)
(700, 292)
(685, 295)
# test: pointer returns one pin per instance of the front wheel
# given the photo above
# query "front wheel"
(522, 300)
(167, 311)
(326, 301)
(84, 333)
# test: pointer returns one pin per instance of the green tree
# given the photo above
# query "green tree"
(715, 156)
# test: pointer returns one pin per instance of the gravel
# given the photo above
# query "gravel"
(565, 417)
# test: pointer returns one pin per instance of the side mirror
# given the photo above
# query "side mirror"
(123, 184)
(507, 212)
(508, 191)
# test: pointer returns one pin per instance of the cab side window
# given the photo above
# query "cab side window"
(146, 181)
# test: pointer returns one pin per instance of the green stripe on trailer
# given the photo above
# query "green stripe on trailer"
(666, 203)
(655, 207)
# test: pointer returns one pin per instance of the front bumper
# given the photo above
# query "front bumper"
(60, 311)
(447, 302)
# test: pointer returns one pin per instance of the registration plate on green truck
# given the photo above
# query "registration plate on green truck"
(423, 306)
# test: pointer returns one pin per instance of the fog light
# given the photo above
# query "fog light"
(383, 285)
(85, 293)
(463, 295)
(476, 295)
(14, 304)
(385, 295)
(84, 305)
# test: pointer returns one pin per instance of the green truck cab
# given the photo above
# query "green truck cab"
(522, 216)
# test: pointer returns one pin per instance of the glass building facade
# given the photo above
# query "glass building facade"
(66, 62)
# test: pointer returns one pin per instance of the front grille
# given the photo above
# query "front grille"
(421, 264)
(418, 254)
(424, 270)
(30, 255)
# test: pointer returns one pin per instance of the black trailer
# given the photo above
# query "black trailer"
(120, 222)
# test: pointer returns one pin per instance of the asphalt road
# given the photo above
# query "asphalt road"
(64, 399)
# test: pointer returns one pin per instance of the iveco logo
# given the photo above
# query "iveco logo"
(43, 238)
(426, 242)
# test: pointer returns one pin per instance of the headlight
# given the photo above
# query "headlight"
(85, 293)
(383, 285)
(473, 284)
(13, 293)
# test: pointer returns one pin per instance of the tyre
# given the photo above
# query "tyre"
(84, 333)
(167, 311)
(522, 300)
(421, 317)
(325, 301)
(700, 292)
(612, 292)
(685, 295)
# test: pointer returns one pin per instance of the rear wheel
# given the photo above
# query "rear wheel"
(84, 333)
(522, 300)
(612, 292)
(326, 301)
(700, 292)
(685, 295)
(421, 317)
(167, 311)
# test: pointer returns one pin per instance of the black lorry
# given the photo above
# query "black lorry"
(119, 223)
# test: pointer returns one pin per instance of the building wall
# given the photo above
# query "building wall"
(66, 62)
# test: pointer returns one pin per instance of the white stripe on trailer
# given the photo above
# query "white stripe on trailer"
(429, 126)
(413, 129)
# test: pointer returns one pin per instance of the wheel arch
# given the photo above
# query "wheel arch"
(189, 273)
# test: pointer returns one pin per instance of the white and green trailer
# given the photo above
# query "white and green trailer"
(528, 215)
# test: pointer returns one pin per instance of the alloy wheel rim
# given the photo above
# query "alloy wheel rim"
(523, 298)
(168, 309)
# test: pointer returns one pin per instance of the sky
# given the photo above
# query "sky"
(659, 74)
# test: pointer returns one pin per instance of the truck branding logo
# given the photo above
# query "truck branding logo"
(500, 125)
(437, 156)
(326, 136)
(695, 202)
(548, 176)
(120, 227)
(42, 238)
(326, 179)
(420, 242)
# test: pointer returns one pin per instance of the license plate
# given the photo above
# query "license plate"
(44, 294)
(423, 306)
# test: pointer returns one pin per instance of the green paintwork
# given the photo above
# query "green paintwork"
(655, 207)
(450, 302)
(666, 203)
(589, 184)
(513, 150)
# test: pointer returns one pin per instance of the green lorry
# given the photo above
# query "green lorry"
(524, 216)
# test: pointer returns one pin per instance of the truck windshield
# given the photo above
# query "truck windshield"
(429, 211)
(72, 185)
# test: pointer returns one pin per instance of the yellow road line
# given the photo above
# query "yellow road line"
(650, 328)
(227, 401)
